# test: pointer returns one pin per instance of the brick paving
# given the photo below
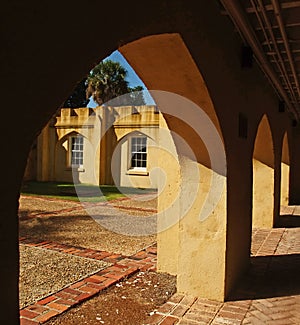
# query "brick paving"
(268, 294)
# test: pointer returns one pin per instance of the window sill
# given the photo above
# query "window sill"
(137, 172)
(75, 169)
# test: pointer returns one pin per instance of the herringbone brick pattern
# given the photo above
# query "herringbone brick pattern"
(269, 294)
(280, 284)
(277, 311)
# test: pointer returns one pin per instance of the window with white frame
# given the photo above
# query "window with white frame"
(76, 152)
(138, 152)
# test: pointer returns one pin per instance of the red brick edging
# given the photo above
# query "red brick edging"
(61, 301)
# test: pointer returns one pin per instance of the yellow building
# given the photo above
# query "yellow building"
(105, 145)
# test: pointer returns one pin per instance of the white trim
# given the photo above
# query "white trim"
(136, 170)
(79, 167)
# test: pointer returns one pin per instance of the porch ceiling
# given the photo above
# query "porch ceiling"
(272, 29)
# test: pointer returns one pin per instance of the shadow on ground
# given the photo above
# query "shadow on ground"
(77, 229)
(269, 277)
(288, 221)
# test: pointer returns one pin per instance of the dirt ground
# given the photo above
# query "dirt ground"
(127, 303)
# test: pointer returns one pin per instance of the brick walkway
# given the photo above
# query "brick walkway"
(268, 294)
(57, 303)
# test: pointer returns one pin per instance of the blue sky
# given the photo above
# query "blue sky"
(132, 78)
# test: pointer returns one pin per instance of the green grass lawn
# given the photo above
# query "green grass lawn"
(88, 193)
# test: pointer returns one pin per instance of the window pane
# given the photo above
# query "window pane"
(77, 151)
(138, 152)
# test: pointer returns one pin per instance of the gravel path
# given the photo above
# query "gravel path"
(116, 232)
(146, 201)
(124, 222)
(34, 205)
(43, 272)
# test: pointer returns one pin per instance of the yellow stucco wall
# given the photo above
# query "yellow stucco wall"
(263, 177)
(55, 149)
(192, 248)
(136, 121)
(285, 171)
(263, 195)
(202, 243)
(284, 188)
(106, 131)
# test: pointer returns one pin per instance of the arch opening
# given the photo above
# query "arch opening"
(285, 172)
(263, 177)
(163, 62)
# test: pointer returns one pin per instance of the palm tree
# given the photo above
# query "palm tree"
(107, 81)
